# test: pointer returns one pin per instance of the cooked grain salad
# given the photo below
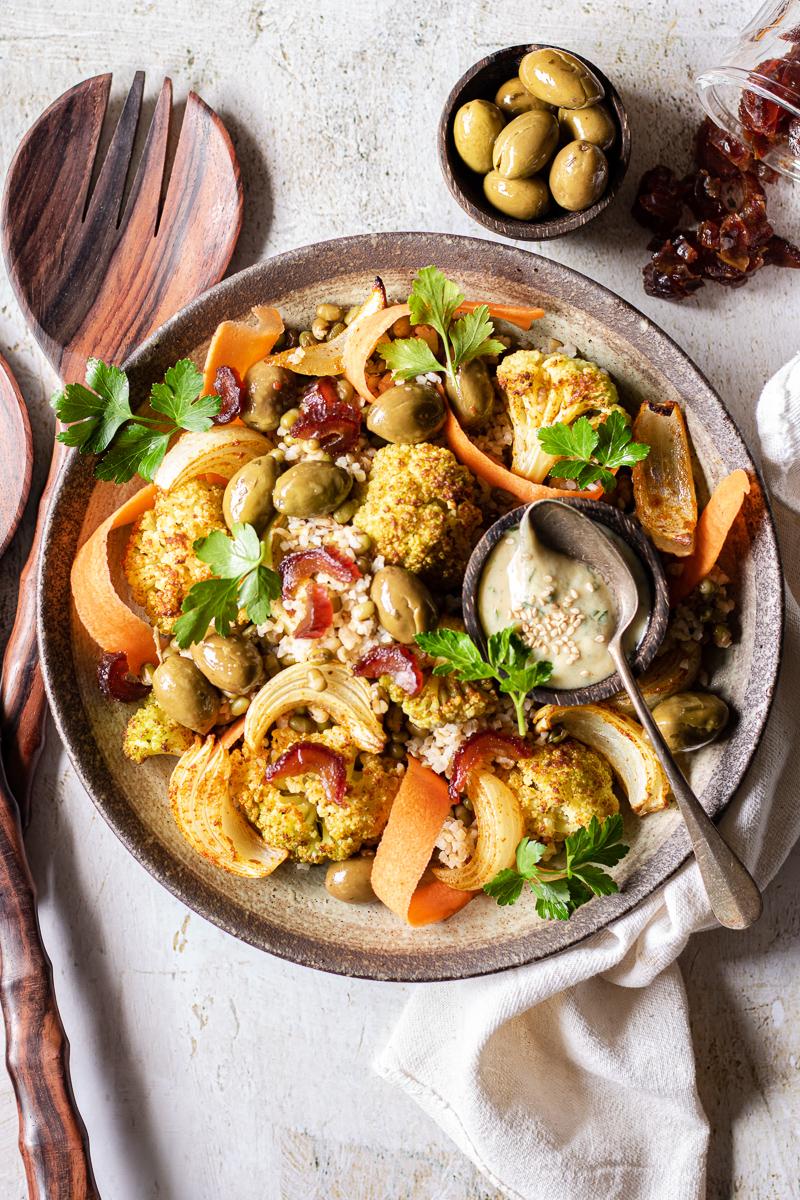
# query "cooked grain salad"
(290, 627)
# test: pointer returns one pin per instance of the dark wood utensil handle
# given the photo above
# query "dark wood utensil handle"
(52, 1136)
(22, 698)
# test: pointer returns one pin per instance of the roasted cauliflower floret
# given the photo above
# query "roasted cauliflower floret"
(160, 564)
(561, 788)
(294, 814)
(548, 389)
(150, 731)
(443, 699)
(420, 510)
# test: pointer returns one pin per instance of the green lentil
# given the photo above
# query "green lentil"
(330, 312)
(319, 328)
(307, 338)
(302, 723)
(316, 680)
(239, 705)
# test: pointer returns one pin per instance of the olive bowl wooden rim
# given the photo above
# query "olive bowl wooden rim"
(466, 185)
(521, 274)
(634, 536)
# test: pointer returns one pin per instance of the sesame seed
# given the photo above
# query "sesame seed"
(599, 638)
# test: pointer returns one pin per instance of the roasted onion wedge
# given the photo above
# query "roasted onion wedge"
(620, 740)
(663, 485)
(500, 829)
(346, 699)
(199, 792)
(671, 672)
(218, 451)
(328, 358)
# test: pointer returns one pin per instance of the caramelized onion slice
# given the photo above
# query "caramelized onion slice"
(663, 485)
(501, 827)
(347, 700)
(328, 358)
(218, 451)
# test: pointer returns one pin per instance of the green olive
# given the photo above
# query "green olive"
(405, 606)
(525, 199)
(230, 663)
(350, 880)
(269, 390)
(525, 145)
(514, 98)
(312, 488)
(185, 694)
(578, 176)
(248, 495)
(593, 124)
(406, 413)
(689, 720)
(473, 394)
(560, 79)
(475, 128)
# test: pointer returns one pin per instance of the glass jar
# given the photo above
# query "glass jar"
(755, 92)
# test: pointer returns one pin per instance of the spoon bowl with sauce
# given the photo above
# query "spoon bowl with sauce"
(554, 530)
(526, 571)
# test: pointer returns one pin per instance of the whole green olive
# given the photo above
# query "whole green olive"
(578, 175)
(350, 880)
(525, 199)
(593, 124)
(525, 145)
(185, 694)
(514, 98)
(560, 79)
(475, 128)
(248, 495)
(405, 606)
(472, 397)
(690, 720)
(268, 393)
(406, 413)
(230, 663)
(312, 488)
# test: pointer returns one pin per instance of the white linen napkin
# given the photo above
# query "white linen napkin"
(575, 1076)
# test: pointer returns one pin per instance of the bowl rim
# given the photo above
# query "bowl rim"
(562, 222)
(634, 536)
(401, 251)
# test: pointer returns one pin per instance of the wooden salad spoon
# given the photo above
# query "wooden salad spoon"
(17, 460)
(732, 892)
(93, 276)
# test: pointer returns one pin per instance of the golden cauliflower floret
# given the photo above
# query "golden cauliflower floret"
(561, 788)
(420, 510)
(150, 731)
(548, 389)
(160, 564)
(443, 699)
(294, 814)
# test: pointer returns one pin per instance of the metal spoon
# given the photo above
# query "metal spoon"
(732, 892)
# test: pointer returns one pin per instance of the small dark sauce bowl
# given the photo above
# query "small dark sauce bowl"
(631, 532)
(481, 82)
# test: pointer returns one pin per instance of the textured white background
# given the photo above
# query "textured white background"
(203, 1068)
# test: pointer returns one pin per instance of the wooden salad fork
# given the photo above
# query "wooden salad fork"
(93, 276)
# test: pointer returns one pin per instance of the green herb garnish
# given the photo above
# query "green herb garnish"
(99, 418)
(433, 301)
(560, 890)
(590, 455)
(242, 580)
(509, 661)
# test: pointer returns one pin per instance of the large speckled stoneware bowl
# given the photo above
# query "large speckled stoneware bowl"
(291, 914)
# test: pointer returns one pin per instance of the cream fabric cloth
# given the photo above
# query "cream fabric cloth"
(574, 1077)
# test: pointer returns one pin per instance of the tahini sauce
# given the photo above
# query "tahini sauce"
(560, 607)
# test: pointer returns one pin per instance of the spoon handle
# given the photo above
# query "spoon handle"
(52, 1136)
(732, 892)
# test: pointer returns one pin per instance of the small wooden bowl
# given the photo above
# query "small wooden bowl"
(481, 82)
(626, 528)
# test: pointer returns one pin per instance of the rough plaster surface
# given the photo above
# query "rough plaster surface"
(203, 1068)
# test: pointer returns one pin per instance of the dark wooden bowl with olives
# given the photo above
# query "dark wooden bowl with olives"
(534, 141)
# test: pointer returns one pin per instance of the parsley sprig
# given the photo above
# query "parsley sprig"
(590, 455)
(99, 419)
(433, 301)
(242, 580)
(508, 661)
(560, 890)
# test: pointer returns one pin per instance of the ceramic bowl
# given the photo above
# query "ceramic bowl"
(481, 82)
(631, 532)
(290, 914)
